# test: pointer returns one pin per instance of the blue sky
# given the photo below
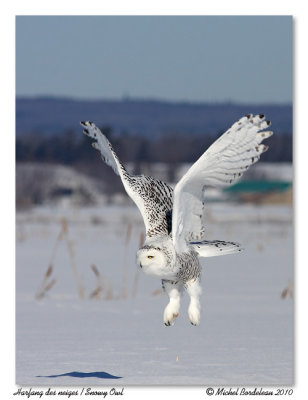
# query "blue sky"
(182, 58)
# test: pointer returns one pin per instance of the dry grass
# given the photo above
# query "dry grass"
(45, 285)
(109, 291)
(288, 291)
(157, 292)
(104, 286)
(99, 286)
(124, 268)
(70, 248)
(96, 293)
(63, 234)
(137, 273)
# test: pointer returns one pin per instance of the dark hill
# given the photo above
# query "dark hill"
(49, 116)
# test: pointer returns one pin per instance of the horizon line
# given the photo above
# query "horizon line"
(126, 98)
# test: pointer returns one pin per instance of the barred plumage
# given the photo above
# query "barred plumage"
(174, 219)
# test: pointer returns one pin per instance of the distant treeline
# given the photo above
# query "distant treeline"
(71, 149)
(150, 118)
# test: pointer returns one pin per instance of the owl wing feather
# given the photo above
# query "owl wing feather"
(221, 165)
(213, 248)
(152, 196)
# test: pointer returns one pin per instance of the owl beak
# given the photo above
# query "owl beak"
(140, 265)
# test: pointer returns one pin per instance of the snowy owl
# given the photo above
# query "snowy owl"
(175, 234)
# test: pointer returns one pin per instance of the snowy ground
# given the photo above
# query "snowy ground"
(246, 331)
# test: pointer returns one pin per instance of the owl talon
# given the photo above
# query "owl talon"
(171, 313)
(195, 318)
(169, 320)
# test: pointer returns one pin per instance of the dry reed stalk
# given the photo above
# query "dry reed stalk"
(124, 269)
(288, 291)
(95, 270)
(62, 232)
(99, 288)
(96, 293)
(69, 244)
(109, 291)
(50, 285)
(70, 249)
(128, 233)
(135, 285)
(42, 289)
(49, 271)
(141, 239)
(137, 273)
(157, 292)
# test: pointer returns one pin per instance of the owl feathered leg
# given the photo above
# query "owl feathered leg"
(194, 290)
(174, 290)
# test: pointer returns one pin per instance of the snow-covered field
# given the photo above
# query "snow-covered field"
(246, 331)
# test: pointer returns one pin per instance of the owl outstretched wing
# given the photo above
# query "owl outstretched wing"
(221, 165)
(152, 196)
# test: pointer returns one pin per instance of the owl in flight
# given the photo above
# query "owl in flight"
(175, 234)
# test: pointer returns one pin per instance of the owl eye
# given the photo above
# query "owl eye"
(150, 257)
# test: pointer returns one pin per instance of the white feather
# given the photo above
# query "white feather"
(221, 165)
(152, 197)
(214, 248)
(103, 145)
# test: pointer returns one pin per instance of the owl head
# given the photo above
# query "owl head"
(154, 260)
